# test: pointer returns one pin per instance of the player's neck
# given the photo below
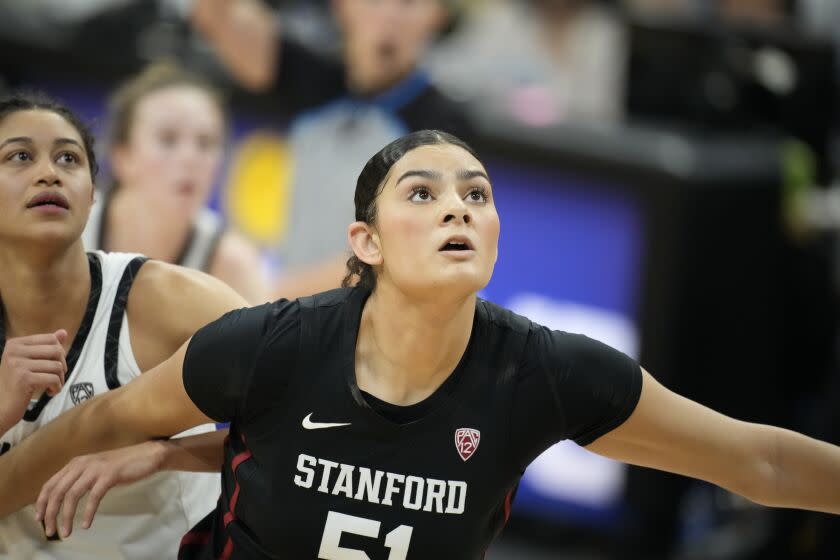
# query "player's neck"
(407, 349)
(134, 227)
(42, 293)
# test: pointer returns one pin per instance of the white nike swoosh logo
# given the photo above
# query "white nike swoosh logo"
(310, 425)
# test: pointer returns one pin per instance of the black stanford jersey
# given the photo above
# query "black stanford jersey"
(317, 469)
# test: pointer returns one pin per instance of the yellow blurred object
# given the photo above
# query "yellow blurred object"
(259, 187)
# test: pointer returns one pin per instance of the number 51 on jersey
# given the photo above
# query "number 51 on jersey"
(338, 523)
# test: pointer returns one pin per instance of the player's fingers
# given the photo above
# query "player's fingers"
(41, 351)
(43, 383)
(60, 335)
(54, 367)
(45, 493)
(71, 501)
(38, 339)
(54, 352)
(56, 496)
(100, 488)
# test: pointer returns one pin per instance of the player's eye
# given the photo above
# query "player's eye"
(421, 194)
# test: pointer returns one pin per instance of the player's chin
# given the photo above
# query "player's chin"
(466, 279)
(186, 203)
(52, 233)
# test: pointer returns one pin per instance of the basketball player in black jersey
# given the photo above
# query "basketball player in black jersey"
(393, 419)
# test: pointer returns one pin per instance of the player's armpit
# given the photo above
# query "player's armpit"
(765, 464)
(153, 406)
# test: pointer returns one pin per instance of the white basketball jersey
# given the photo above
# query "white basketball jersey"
(143, 520)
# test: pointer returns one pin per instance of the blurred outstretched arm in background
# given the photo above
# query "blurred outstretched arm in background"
(245, 37)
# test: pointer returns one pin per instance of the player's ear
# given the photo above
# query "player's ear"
(364, 240)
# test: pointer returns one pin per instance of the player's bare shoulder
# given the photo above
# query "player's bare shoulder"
(167, 304)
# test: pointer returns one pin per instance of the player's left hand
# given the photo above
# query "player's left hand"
(95, 475)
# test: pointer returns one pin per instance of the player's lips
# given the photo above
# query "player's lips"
(458, 248)
(50, 200)
(457, 243)
(187, 188)
(387, 49)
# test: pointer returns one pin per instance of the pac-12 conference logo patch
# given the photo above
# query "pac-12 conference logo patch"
(466, 442)
(80, 392)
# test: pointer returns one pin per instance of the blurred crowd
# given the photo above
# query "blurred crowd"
(341, 78)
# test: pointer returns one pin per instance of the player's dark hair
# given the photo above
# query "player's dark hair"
(37, 101)
(370, 183)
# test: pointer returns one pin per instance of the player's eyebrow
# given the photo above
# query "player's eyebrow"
(17, 140)
(467, 174)
(29, 140)
(425, 173)
(462, 174)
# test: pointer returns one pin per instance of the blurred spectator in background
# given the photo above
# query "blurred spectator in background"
(749, 12)
(660, 8)
(341, 110)
(167, 134)
(756, 12)
(543, 61)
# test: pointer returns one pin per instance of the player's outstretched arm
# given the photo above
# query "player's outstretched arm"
(94, 475)
(245, 37)
(768, 465)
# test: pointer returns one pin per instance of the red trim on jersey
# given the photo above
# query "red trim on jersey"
(227, 551)
(231, 513)
(508, 499)
(238, 460)
(507, 504)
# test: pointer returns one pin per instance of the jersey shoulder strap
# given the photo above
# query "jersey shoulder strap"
(115, 321)
(203, 242)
